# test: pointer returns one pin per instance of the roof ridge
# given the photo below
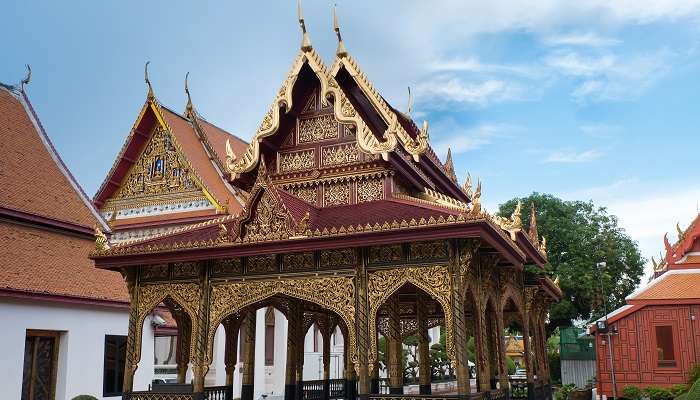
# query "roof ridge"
(23, 99)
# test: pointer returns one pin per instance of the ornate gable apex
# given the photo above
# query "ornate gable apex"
(343, 110)
(688, 242)
(265, 216)
(134, 183)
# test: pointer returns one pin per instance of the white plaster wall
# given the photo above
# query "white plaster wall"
(81, 345)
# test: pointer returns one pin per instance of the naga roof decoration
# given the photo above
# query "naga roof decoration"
(686, 250)
(449, 166)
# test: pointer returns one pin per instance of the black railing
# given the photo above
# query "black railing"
(218, 393)
(417, 397)
(312, 390)
(336, 389)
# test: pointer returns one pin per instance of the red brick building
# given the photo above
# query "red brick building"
(656, 336)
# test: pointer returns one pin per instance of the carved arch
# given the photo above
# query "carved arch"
(435, 281)
(186, 295)
(335, 294)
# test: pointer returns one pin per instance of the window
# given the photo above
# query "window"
(664, 346)
(115, 354)
(165, 350)
(270, 336)
(39, 370)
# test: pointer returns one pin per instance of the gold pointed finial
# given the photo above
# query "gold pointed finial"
(680, 231)
(476, 197)
(101, 242)
(467, 188)
(516, 217)
(409, 108)
(305, 41)
(189, 107)
(450, 167)
(28, 78)
(148, 81)
(340, 51)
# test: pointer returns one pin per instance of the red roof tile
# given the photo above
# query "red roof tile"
(673, 285)
(45, 262)
(33, 177)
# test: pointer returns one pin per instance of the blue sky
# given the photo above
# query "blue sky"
(587, 100)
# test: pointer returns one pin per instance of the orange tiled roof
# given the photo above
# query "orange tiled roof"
(673, 285)
(40, 261)
(35, 182)
(33, 177)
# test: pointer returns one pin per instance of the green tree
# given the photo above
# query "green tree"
(579, 235)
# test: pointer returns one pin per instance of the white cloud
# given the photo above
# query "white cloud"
(590, 39)
(599, 130)
(442, 90)
(609, 76)
(461, 140)
(571, 156)
(472, 64)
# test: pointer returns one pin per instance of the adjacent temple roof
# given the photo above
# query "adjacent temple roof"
(169, 171)
(683, 254)
(46, 220)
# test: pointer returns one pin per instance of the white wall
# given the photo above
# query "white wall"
(81, 345)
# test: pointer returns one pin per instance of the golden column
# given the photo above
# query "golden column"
(395, 345)
(502, 367)
(462, 259)
(301, 334)
(231, 327)
(132, 353)
(248, 350)
(292, 338)
(482, 360)
(326, 334)
(362, 327)
(423, 344)
(184, 330)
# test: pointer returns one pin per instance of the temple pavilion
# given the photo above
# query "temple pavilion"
(337, 213)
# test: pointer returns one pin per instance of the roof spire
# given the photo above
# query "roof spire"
(151, 96)
(450, 167)
(305, 41)
(534, 235)
(27, 79)
(409, 108)
(340, 51)
(189, 108)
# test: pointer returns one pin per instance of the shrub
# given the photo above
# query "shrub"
(511, 365)
(563, 392)
(678, 389)
(84, 397)
(632, 392)
(657, 393)
(693, 374)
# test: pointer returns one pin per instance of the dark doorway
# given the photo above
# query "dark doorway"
(40, 362)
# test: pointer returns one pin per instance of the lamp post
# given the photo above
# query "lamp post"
(607, 331)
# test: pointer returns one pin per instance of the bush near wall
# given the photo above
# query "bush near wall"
(84, 397)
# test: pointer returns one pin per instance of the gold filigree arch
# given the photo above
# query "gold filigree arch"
(434, 280)
(333, 293)
(511, 293)
(186, 295)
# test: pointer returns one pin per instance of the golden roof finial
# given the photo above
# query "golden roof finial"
(148, 81)
(534, 235)
(680, 231)
(305, 41)
(27, 79)
(449, 166)
(340, 51)
(409, 108)
(189, 108)
(467, 188)
(101, 241)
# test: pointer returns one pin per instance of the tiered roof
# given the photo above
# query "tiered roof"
(683, 254)
(46, 221)
(414, 196)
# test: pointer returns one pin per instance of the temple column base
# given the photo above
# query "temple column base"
(425, 389)
(247, 392)
(350, 386)
(290, 391)
(396, 390)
